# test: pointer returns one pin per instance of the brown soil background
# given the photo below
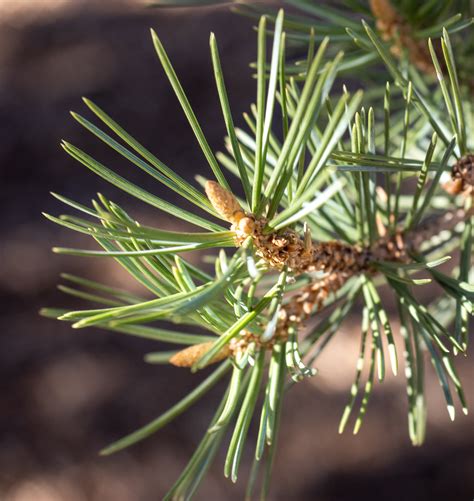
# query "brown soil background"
(64, 394)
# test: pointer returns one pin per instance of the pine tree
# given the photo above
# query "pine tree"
(342, 193)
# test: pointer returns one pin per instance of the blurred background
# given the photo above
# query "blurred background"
(64, 393)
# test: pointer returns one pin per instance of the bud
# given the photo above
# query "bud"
(224, 202)
(189, 356)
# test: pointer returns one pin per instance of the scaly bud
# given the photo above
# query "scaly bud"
(224, 202)
(189, 356)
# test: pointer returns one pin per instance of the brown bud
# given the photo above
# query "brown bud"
(224, 202)
(189, 356)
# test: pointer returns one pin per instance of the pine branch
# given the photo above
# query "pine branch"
(337, 199)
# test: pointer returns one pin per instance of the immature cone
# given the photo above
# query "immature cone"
(189, 356)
